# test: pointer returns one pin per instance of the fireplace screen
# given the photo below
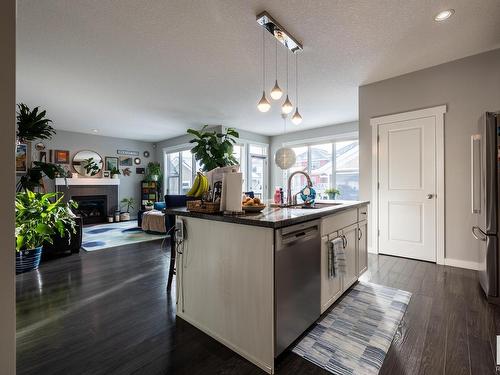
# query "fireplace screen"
(92, 208)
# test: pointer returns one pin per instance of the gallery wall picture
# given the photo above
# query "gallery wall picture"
(61, 156)
(126, 161)
(140, 170)
(126, 172)
(110, 162)
(22, 162)
(105, 174)
(137, 161)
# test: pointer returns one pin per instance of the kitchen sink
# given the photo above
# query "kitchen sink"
(316, 206)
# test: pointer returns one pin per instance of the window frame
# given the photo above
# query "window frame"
(353, 136)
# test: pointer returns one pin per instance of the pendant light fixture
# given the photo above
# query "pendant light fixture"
(276, 92)
(287, 106)
(285, 156)
(263, 104)
(296, 118)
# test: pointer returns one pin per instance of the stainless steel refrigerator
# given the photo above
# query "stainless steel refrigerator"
(485, 183)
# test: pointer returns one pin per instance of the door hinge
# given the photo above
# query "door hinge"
(378, 138)
(378, 232)
(378, 185)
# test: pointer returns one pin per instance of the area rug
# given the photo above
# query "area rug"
(104, 236)
(355, 336)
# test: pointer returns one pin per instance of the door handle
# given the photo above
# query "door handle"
(474, 228)
(429, 196)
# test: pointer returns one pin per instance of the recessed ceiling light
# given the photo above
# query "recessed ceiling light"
(444, 15)
(95, 130)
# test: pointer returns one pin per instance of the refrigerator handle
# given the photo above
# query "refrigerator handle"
(475, 141)
(485, 236)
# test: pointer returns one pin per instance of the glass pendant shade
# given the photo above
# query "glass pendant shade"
(264, 104)
(276, 92)
(285, 158)
(296, 118)
(287, 106)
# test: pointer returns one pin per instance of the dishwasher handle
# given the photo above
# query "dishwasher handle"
(299, 236)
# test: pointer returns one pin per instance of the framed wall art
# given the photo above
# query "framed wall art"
(126, 161)
(61, 156)
(22, 158)
(110, 162)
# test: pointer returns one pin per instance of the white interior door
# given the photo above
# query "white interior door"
(407, 188)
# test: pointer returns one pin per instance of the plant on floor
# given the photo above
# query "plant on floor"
(214, 149)
(91, 167)
(129, 202)
(332, 192)
(40, 216)
(32, 124)
(33, 179)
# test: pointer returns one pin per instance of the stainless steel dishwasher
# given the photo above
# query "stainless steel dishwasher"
(297, 281)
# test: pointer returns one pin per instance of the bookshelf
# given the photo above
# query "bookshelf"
(149, 192)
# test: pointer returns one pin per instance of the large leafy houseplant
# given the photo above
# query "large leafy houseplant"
(32, 124)
(153, 171)
(41, 216)
(33, 177)
(214, 149)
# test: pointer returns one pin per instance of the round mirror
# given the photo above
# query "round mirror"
(87, 163)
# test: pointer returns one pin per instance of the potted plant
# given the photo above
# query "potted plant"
(214, 149)
(332, 193)
(149, 205)
(115, 172)
(129, 202)
(153, 171)
(32, 180)
(38, 218)
(32, 125)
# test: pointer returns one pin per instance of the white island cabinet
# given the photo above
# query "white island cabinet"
(226, 271)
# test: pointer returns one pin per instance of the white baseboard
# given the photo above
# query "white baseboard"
(461, 263)
(371, 250)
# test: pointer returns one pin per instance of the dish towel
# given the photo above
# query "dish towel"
(336, 258)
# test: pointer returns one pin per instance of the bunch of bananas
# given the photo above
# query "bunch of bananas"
(200, 186)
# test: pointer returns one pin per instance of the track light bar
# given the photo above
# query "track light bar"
(284, 37)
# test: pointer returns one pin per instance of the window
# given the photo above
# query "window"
(180, 171)
(329, 164)
(181, 168)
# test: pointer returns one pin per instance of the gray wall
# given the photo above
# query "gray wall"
(469, 87)
(276, 173)
(106, 146)
(7, 147)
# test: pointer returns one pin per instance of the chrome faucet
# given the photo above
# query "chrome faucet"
(293, 200)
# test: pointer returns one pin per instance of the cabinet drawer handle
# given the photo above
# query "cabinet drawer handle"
(344, 241)
(360, 234)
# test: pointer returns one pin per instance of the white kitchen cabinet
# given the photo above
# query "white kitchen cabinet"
(350, 235)
(331, 288)
(362, 247)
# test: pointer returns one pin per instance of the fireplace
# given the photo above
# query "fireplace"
(92, 208)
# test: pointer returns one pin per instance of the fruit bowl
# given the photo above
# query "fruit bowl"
(254, 208)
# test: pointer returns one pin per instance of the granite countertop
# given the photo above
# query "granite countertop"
(274, 217)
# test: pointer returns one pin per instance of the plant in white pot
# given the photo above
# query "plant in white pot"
(115, 172)
(38, 218)
(129, 203)
(149, 205)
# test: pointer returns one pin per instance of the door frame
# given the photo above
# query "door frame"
(438, 113)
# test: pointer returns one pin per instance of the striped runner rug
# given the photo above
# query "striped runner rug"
(354, 337)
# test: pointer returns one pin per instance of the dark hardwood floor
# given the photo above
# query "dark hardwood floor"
(108, 312)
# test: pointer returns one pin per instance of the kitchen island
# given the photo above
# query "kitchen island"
(257, 282)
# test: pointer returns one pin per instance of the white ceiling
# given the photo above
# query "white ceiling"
(148, 70)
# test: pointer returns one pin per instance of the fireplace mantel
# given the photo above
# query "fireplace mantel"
(88, 181)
